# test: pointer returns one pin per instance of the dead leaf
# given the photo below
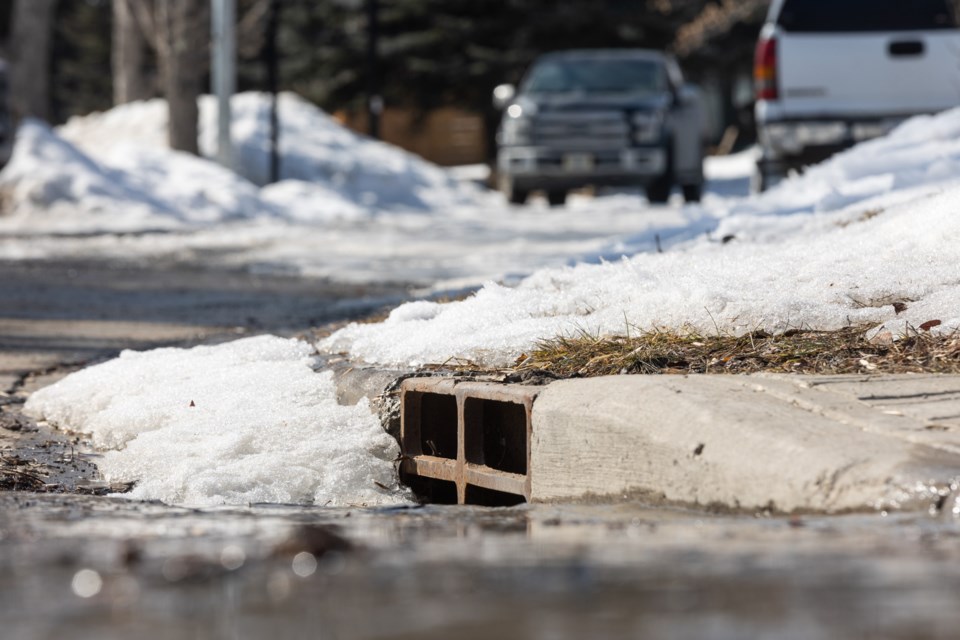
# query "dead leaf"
(930, 324)
(882, 338)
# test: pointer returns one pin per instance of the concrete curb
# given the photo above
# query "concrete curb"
(741, 442)
(785, 443)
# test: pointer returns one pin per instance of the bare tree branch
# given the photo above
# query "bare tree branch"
(143, 13)
(252, 27)
(183, 52)
(128, 52)
(254, 18)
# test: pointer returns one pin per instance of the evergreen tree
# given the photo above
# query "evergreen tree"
(81, 58)
(31, 33)
(437, 52)
(432, 52)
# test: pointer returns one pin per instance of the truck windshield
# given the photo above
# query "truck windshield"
(866, 15)
(596, 76)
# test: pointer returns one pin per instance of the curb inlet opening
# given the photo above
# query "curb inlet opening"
(496, 434)
(490, 498)
(431, 490)
(438, 424)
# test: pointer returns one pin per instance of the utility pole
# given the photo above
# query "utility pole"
(272, 60)
(224, 36)
(374, 99)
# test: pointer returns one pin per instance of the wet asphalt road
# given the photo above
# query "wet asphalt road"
(67, 313)
(83, 566)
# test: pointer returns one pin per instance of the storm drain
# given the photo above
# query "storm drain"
(466, 442)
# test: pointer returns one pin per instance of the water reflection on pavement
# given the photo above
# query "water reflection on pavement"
(88, 567)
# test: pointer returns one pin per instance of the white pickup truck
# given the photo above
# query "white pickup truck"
(830, 74)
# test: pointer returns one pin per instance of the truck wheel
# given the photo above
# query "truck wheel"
(692, 192)
(658, 191)
(510, 191)
(763, 178)
(557, 198)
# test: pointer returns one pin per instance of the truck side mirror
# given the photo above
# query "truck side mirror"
(503, 95)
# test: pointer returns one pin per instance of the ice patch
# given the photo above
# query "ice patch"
(237, 423)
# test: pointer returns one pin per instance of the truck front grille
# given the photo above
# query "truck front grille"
(582, 130)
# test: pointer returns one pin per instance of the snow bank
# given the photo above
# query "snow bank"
(831, 248)
(248, 421)
(50, 183)
(112, 172)
(318, 149)
(54, 187)
(310, 203)
(353, 170)
(916, 159)
(847, 276)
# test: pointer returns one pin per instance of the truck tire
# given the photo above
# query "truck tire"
(557, 197)
(763, 178)
(658, 191)
(510, 191)
(758, 184)
(692, 192)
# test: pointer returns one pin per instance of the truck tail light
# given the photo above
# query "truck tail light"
(765, 69)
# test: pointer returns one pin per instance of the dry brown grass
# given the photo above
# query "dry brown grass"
(19, 474)
(811, 352)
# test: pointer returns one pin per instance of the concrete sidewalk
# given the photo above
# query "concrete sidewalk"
(778, 442)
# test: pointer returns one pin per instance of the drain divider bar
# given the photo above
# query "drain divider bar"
(466, 442)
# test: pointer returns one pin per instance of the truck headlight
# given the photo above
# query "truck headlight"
(647, 126)
(515, 131)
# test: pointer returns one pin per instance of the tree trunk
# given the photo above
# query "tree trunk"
(31, 32)
(184, 30)
(128, 55)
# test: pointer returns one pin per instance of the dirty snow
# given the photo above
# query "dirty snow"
(833, 247)
(243, 422)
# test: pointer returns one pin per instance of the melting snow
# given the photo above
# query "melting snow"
(248, 421)
(827, 249)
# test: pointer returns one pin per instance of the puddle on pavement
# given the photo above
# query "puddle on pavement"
(91, 567)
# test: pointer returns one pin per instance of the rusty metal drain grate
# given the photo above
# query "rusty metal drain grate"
(466, 442)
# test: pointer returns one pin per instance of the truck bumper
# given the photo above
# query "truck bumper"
(545, 168)
(793, 144)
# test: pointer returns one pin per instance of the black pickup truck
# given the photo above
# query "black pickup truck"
(619, 117)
